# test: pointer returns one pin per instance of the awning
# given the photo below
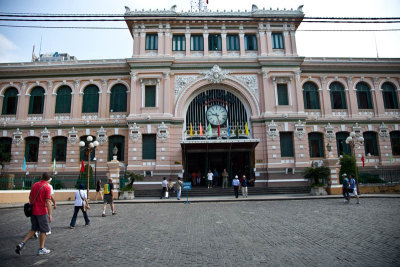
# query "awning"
(219, 145)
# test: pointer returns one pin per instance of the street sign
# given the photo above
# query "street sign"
(187, 186)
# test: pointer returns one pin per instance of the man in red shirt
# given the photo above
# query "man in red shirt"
(41, 214)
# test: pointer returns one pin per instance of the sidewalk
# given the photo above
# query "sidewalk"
(280, 197)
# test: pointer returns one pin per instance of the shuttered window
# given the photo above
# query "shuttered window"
(59, 149)
(151, 41)
(338, 97)
(286, 144)
(342, 147)
(196, 43)
(10, 102)
(90, 99)
(250, 42)
(282, 90)
(5, 149)
(119, 142)
(395, 142)
(63, 100)
(389, 96)
(364, 96)
(150, 96)
(149, 146)
(232, 42)
(371, 143)
(277, 40)
(214, 42)
(31, 149)
(316, 145)
(118, 98)
(36, 101)
(179, 43)
(311, 96)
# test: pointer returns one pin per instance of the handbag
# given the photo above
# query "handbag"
(166, 194)
(350, 190)
(28, 206)
(84, 207)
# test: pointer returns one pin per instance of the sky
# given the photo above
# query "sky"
(16, 44)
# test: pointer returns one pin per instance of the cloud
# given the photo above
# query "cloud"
(8, 50)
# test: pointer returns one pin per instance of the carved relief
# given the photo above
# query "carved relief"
(216, 75)
(300, 130)
(181, 81)
(250, 81)
(17, 137)
(102, 136)
(357, 130)
(73, 136)
(162, 132)
(272, 130)
(330, 131)
(45, 137)
(134, 132)
(383, 131)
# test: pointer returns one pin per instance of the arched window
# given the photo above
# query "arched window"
(36, 101)
(338, 97)
(59, 148)
(342, 147)
(118, 98)
(119, 142)
(311, 96)
(5, 149)
(90, 99)
(364, 96)
(84, 152)
(371, 144)
(31, 149)
(63, 100)
(10, 101)
(316, 145)
(395, 142)
(389, 96)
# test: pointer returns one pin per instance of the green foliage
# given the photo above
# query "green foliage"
(82, 179)
(133, 177)
(317, 175)
(348, 166)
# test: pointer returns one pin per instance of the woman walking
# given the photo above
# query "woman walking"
(98, 190)
(81, 202)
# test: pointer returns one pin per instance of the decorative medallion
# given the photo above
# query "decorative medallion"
(357, 130)
(73, 136)
(45, 137)
(272, 130)
(162, 132)
(17, 137)
(216, 75)
(134, 132)
(300, 130)
(383, 131)
(102, 136)
(330, 131)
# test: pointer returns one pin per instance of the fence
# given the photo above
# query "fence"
(382, 175)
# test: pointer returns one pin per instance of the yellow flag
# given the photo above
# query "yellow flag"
(246, 129)
(191, 130)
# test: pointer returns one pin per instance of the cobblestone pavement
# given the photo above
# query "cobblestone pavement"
(321, 232)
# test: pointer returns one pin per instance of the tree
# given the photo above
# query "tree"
(347, 165)
(83, 178)
(317, 175)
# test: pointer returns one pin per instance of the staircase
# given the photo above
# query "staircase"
(218, 191)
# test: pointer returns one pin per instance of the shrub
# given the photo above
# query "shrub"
(317, 175)
(348, 166)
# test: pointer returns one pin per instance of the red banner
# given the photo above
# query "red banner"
(82, 166)
(363, 160)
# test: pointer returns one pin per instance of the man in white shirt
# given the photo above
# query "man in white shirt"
(210, 178)
(235, 184)
(164, 187)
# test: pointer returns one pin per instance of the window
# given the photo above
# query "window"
(395, 142)
(311, 96)
(232, 42)
(84, 152)
(150, 96)
(363, 96)
(342, 147)
(178, 43)
(36, 101)
(119, 142)
(151, 41)
(277, 40)
(250, 42)
(63, 100)
(338, 97)
(118, 98)
(10, 102)
(90, 99)
(59, 149)
(31, 149)
(5, 149)
(214, 42)
(282, 90)
(196, 43)
(389, 96)
(371, 143)
(316, 145)
(148, 146)
(286, 144)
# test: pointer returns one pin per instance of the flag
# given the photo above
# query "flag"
(54, 165)
(191, 130)
(237, 130)
(228, 129)
(246, 129)
(363, 161)
(201, 130)
(24, 165)
(209, 130)
(207, 2)
(82, 166)
(391, 159)
(219, 130)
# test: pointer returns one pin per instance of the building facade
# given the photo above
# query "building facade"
(203, 90)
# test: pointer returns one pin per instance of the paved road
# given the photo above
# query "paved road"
(319, 232)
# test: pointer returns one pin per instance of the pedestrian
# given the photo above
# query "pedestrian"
(243, 185)
(164, 185)
(178, 188)
(198, 178)
(98, 190)
(194, 175)
(41, 216)
(81, 201)
(170, 187)
(210, 178)
(353, 189)
(216, 177)
(108, 197)
(235, 184)
(225, 179)
(345, 188)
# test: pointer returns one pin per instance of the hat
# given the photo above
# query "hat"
(81, 186)
(236, 176)
(344, 174)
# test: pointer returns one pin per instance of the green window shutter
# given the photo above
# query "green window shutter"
(59, 149)
(63, 100)
(118, 98)
(395, 142)
(364, 96)
(389, 96)
(311, 96)
(150, 96)
(338, 97)
(283, 98)
(371, 143)
(232, 42)
(214, 42)
(178, 43)
(31, 149)
(277, 40)
(342, 147)
(5, 148)
(90, 99)
(119, 142)
(250, 42)
(10, 102)
(196, 43)
(36, 101)
(148, 146)
(151, 41)
(315, 145)
(286, 139)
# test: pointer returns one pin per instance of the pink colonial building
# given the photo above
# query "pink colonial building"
(203, 90)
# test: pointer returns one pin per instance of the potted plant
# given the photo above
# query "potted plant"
(317, 177)
(128, 191)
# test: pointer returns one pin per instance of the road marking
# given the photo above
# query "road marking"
(40, 262)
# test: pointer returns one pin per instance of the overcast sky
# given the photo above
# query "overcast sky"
(16, 43)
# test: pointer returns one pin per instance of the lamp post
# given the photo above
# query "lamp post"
(352, 141)
(89, 148)
(95, 171)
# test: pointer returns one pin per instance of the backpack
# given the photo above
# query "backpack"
(106, 189)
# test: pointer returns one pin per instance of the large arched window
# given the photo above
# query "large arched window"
(5, 149)
(59, 148)
(364, 96)
(63, 100)
(371, 144)
(118, 98)
(10, 101)
(119, 142)
(31, 149)
(316, 144)
(36, 101)
(342, 147)
(90, 99)
(311, 96)
(395, 142)
(338, 97)
(389, 96)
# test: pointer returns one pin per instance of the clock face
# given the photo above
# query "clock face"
(217, 115)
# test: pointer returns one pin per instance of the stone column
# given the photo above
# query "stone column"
(23, 101)
(142, 43)
(326, 108)
(205, 40)
(287, 42)
(160, 40)
(269, 39)
(352, 98)
(103, 112)
(133, 96)
(166, 94)
(223, 43)
(113, 173)
(241, 41)
(49, 106)
(293, 40)
(299, 94)
(263, 41)
(76, 102)
(377, 98)
(136, 41)
(334, 187)
(167, 40)
(187, 36)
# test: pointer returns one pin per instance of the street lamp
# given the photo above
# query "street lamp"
(89, 148)
(352, 140)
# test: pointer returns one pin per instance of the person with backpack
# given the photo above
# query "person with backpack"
(243, 184)
(108, 197)
(81, 202)
(345, 188)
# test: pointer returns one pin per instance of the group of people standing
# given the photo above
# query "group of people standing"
(349, 189)
(171, 187)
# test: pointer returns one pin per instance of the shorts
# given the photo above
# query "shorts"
(40, 223)
(108, 199)
(354, 192)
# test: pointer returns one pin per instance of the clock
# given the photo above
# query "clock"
(217, 115)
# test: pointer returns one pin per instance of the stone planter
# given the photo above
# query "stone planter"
(318, 191)
(127, 195)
